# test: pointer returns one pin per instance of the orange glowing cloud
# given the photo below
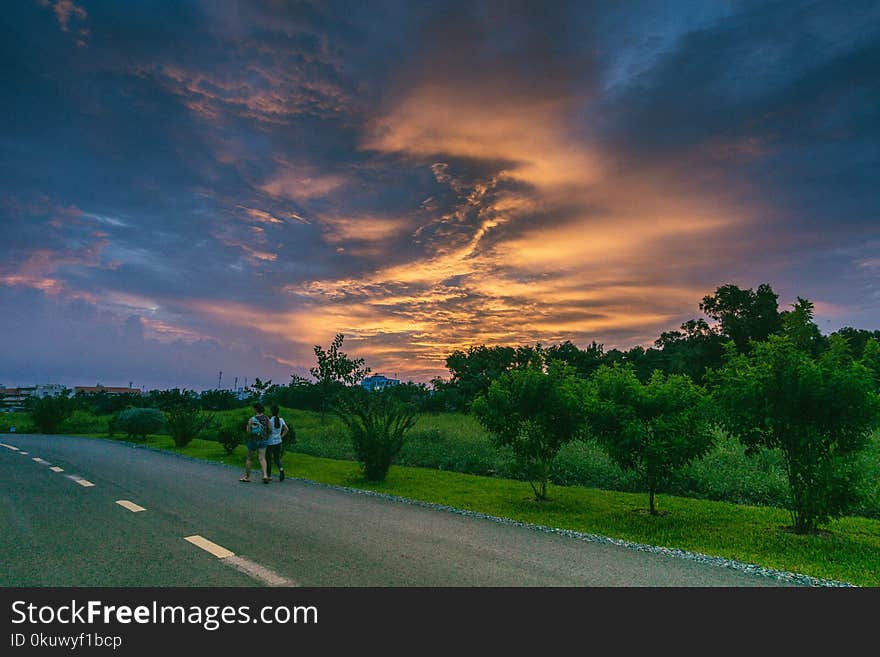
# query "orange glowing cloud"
(443, 119)
(619, 255)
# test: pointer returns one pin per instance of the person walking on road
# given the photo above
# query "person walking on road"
(258, 438)
(278, 429)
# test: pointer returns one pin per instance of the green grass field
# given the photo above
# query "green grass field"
(848, 550)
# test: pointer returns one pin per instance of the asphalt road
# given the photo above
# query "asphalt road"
(57, 532)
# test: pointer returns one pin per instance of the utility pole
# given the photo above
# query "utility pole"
(235, 385)
(219, 379)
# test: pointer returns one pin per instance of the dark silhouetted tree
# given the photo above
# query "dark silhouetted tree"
(744, 315)
(334, 370)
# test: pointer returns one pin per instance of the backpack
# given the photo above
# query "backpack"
(260, 428)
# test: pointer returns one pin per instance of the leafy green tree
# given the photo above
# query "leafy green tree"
(652, 428)
(49, 412)
(219, 400)
(472, 371)
(166, 399)
(857, 339)
(102, 403)
(299, 393)
(378, 424)
(416, 394)
(334, 370)
(186, 422)
(817, 412)
(445, 396)
(138, 422)
(645, 361)
(871, 359)
(798, 325)
(584, 361)
(744, 315)
(691, 350)
(258, 388)
(535, 411)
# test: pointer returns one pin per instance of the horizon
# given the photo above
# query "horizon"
(197, 187)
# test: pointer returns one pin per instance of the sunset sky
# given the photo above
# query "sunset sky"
(188, 187)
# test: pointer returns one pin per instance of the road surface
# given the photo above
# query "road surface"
(80, 524)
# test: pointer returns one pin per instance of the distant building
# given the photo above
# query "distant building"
(49, 390)
(14, 399)
(110, 390)
(379, 382)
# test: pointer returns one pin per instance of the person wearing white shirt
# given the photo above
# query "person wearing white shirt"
(278, 429)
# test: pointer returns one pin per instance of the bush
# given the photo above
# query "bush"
(230, 437)
(728, 473)
(138, 422)
(19, 420)
(219, 400)
(378, 424)
(49, 412)
(84, 422)
(290, 439)
(185, 422)
(457, 451)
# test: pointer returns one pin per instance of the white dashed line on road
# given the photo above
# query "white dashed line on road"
(257, 571)
(55, 468)
(131, 506)
(23, 453)
(12, 447)
(82, 482)
(217, 550)
(39, 460)
(242, 564)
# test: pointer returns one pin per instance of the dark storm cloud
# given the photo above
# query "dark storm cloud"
(779, 101)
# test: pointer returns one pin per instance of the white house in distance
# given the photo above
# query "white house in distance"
(379, 382)
(13, 399)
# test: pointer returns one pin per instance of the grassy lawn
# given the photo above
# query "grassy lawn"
(848, 549)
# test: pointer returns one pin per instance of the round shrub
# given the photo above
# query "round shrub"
(138, 422)
(230, 437)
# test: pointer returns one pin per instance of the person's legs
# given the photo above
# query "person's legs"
(279, 450)
(261, 454)
(273, 453)
(247, 465)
